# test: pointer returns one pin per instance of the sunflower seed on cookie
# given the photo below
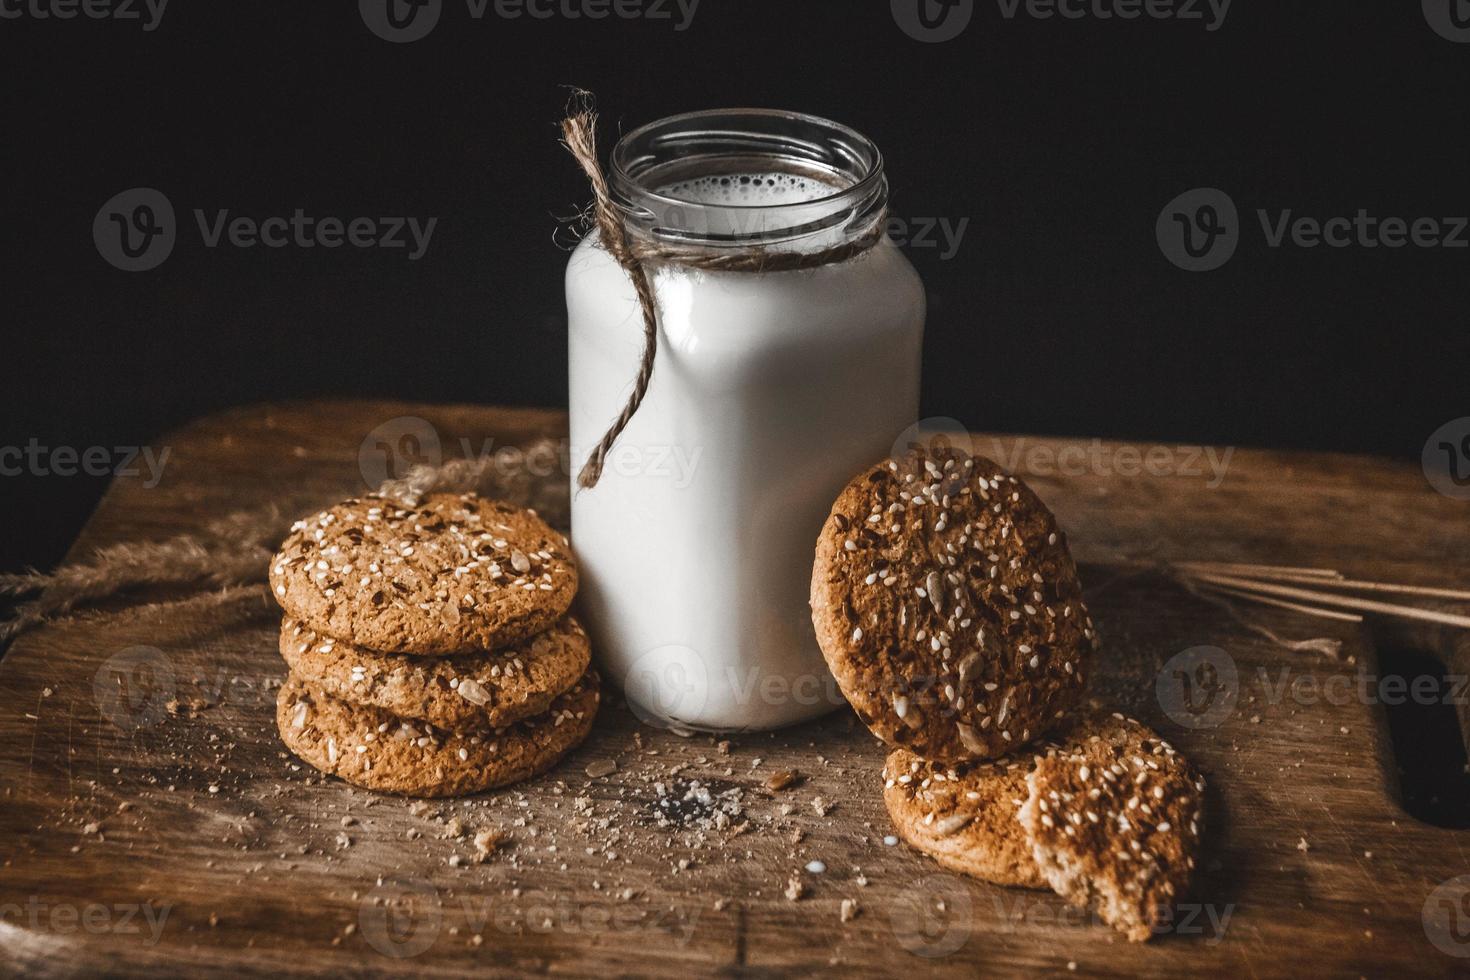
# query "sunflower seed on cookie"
(468, 691)
(457, 574)
(964, 815)
(377, 750)
(1113, 814)
(948, 607)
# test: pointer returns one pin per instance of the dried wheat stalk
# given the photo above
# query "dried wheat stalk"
(235, 549)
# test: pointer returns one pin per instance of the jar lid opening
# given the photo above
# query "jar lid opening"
(735, 177)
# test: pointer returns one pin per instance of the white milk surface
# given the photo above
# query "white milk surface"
(769, 392)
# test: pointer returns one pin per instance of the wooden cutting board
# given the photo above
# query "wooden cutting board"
(187, 840)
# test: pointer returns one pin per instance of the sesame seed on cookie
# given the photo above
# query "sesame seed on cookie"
(1113, 814)
(457, 574)
(375, 749)
(964, 815)
(948, 607)
(468, 691)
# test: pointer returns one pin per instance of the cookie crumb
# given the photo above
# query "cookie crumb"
(784, 779)
(487, 842)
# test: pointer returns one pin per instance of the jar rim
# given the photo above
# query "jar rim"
(747, 140)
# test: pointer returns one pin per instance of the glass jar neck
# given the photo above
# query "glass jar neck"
(748, 178)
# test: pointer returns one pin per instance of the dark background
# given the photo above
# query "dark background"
(1059, 140)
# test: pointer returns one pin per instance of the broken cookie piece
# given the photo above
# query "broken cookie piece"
(1113, 815)
(964, 815)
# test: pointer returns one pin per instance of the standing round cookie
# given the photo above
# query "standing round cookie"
(470, 691)
(456, 574)
(948, 607)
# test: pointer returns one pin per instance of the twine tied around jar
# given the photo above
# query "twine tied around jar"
(637, 254)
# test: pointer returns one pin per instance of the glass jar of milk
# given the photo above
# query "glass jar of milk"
(769, 391)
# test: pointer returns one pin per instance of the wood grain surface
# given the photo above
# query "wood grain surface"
(150, 820)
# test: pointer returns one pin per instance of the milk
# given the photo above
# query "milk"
(769, 392)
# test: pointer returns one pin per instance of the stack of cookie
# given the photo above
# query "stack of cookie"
(948, 607)
(430, 649)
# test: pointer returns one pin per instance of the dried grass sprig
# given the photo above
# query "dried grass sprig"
(1317, 644)
(182, 562)
(234, 550)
